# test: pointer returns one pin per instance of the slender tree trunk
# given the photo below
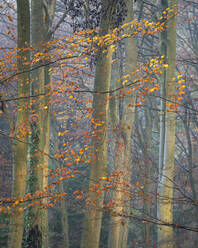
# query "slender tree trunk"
(163, 48)
(20, 148)
(64, 218)
(189, 152)
(166, 168)
(45, 170)
(118, 234)
(92, 224)
(147, 171)
(62, 205)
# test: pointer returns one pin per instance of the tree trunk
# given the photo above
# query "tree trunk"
(147, 172)
(63, 204)
(166, 166)
(20, 148)
(118, 234)
(92, 224)
(42, 17)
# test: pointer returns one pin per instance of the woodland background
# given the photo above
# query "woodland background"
(98, 123)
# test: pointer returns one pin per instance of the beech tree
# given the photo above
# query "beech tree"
(92, 225)
(119, 231)
(42, 14)
(20, 146)
(167, 133)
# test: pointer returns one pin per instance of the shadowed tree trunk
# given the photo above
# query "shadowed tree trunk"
(62, 204)
(20, 148)
(118, 234)
(92, 223)
(147, 171)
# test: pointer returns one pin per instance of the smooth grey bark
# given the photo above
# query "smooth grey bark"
(92, 223)
(166, 163)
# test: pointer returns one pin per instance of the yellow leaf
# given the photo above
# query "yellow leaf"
(151, 90)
